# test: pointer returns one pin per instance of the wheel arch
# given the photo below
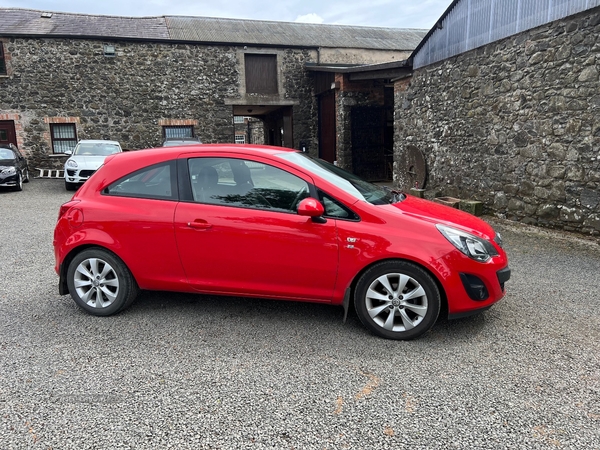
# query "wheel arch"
(351, 289)
(64, 267)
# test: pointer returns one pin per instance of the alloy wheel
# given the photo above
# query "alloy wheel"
(96, 282)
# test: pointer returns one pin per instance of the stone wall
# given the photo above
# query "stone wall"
(127, 97)
(514, 124)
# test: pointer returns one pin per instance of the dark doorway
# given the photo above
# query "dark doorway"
(7, 132)
(277, 122)
(278, 125)
(327, 141)
(368, 142)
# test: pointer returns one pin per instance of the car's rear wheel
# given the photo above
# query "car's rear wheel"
(100, 283)
(19, 185)
(70, 186)
(397, 300)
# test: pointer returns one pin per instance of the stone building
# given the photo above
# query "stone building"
(66, 77)
(504, 106)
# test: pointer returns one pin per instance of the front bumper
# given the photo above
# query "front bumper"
(8, 180)
(471, 286)
(477, 291)
(77, 175)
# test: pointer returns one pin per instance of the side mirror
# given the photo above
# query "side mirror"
(68, 152)
(310, 207)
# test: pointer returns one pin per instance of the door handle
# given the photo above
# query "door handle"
(199, 225)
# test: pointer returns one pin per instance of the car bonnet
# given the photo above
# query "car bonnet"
(88, 161)
(435, 213)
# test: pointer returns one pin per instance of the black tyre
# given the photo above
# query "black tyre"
(19, 185)
(100, 283)
(70, 186)
(26, 176)
(397, 300)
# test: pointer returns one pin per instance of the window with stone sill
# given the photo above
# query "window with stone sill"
(2, 60)
(63, 136)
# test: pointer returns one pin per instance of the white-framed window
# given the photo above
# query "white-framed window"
(238, 119)
(240, 139)
(63, 136)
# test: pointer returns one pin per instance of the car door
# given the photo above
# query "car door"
(241, 234)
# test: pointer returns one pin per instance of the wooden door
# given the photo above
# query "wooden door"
(327, 141)
(7, 132)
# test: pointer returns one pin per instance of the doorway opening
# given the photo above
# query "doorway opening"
(263, 125)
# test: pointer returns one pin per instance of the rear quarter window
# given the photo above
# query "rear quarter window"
(158, 182)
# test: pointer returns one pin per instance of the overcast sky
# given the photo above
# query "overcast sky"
(375, 13)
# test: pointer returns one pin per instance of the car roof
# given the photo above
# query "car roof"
(120, 164)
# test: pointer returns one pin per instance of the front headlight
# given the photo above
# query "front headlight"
(9, 171)
(474, 247)
(71, 163)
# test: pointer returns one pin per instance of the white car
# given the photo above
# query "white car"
(85, 159)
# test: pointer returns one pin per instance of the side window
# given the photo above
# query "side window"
(247, 184)
(335, 209)
(158, 182)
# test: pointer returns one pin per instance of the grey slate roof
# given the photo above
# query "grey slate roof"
(27, 22)
(30, 22)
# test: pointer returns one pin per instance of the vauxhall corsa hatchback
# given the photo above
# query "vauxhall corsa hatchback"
(269, 222)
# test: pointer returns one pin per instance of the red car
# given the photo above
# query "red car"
(272, 223)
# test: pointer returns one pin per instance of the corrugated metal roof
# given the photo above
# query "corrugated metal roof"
(466, 25)
(290, 34)
(16, 21)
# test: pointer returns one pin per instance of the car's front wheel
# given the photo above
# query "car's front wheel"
(100, 283)
(19, 185)
(397, 300)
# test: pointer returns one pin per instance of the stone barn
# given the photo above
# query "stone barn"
(66, 77)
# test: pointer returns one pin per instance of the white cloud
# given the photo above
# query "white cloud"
(310, 18)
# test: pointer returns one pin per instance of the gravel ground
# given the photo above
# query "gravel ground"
(201, 372)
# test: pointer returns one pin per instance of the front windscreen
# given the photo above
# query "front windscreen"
(96, 148)
(356, 186)
(7, 154)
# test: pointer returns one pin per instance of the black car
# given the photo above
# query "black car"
(13, 167)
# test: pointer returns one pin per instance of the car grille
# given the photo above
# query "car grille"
(71, 172)
(86, 173)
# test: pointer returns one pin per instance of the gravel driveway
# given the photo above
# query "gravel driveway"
(201, 372)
